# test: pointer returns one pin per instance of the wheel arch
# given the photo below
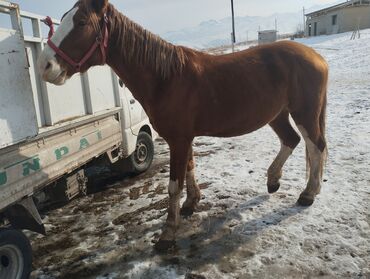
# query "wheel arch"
(147, 130)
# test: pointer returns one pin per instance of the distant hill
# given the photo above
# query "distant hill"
(215, 33)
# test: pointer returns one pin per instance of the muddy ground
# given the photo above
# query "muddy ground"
(236, 233)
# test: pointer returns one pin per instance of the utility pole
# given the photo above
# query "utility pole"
(304, 22)
(276, 29)
(233, 41)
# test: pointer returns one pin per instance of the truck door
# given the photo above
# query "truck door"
(136, 110)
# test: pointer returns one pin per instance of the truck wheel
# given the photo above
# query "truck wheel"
(139, 161)
(15, 255)
(142, 157)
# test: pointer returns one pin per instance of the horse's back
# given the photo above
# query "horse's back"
(280, 68)
(243, 91)
(289, 50)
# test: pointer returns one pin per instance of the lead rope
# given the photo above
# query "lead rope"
(49, 22)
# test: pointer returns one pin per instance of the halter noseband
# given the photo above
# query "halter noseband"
(101, 42)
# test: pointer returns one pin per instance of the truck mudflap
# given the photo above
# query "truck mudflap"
(24, 216)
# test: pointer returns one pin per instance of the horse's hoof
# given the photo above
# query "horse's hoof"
(164, 245)
(273, 188)
(186, 212)
(305, 201)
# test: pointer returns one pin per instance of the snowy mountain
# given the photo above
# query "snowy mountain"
(215, 33)
(218, 32)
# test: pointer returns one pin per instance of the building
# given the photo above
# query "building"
(348, 16)
(267, 36)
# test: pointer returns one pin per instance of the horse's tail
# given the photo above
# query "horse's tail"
(307, 164)
(322, 123)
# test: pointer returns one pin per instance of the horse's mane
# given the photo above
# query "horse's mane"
(139, 46)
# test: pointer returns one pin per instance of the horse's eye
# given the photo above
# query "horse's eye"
(82, 23)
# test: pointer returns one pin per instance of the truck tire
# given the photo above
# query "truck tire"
(142, 158)
(15, 255)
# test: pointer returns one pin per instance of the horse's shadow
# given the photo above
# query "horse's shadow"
(219, 237)
(215, 240)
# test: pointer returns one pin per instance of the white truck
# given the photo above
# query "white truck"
(48, 133)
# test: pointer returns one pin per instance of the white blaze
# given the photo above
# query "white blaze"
(64, 28)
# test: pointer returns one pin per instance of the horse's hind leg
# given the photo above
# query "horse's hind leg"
(313, 131)
(192, 189)
(289, 139)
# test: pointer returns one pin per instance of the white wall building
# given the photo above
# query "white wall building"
(267, 36)
(348, 16)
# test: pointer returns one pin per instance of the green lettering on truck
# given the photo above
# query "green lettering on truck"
(3, 178)
(61, 152)
(99, 135)
(28, 166)
(84, 143)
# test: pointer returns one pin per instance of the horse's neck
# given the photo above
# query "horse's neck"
(140, 78)
(137, 78)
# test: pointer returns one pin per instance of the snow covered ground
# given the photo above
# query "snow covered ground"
(239, 230)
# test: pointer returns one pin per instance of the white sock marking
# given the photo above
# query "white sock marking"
(173, 187)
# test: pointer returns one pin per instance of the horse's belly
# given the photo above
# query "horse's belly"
(237, 112)
(231, 125)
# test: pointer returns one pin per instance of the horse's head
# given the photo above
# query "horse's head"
(79, 43)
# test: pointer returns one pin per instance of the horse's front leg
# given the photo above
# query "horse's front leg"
(192, 188)
(179, 151)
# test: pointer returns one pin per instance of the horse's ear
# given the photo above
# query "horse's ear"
(100, 5)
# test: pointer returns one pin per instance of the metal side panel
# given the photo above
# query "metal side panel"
(36, 88)
(66, 102)
(101, 89)
(17, 110)
(33, 165)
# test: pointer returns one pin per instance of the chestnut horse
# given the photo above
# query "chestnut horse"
(187, 93)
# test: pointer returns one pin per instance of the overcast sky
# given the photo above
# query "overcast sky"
(161, 16)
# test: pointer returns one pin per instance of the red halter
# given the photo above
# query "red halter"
(101, 42)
